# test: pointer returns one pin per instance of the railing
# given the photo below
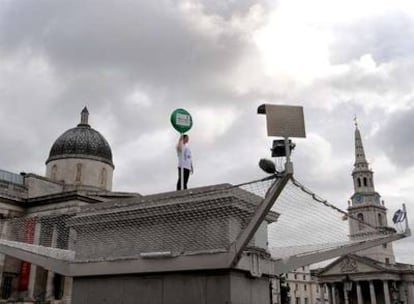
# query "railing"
(11, 177)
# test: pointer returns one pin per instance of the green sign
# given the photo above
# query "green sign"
(181, 120)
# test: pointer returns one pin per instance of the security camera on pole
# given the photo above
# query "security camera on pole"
(182, 121)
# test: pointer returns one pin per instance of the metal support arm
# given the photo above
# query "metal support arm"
(261, 211)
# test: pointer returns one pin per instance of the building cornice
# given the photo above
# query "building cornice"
(59, 198)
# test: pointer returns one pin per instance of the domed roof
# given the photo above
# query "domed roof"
(81, 142)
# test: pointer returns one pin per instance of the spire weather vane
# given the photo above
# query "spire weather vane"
(356, 121)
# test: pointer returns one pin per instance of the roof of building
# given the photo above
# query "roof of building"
(347, 267)
(81, 142)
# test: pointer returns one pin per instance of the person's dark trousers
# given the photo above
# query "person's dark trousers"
(186, 176)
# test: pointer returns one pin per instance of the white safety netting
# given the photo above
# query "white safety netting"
(202, 220)
(310, 224)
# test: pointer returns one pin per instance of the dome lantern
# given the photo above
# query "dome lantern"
(84, 117)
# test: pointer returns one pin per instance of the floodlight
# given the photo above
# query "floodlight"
(267, 166)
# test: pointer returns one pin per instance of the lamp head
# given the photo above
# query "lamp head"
(267, 166)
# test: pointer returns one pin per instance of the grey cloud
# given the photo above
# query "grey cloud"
(97, 57)
(230, 157)
(152, 42)
(393, 79)
(100, 56)
(387, 38)
(396, 138)
(331, 177)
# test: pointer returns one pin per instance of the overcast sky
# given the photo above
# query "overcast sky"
(133, 62)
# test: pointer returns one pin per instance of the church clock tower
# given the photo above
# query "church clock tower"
(367, 207)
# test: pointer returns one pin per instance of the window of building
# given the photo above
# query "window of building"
(306, 301)
(304, 277)
(380, 223)
(296, 286)
(78, 172)
(297, 300)
(62, 240)
(103, 177)
(387, 260)
(359, 182)
(46, 233)
(384, 245)
(54, 172)
(58, 283)
(305, 287)
(295, 276)
(365, 182)
(6, 287)
(360, 218)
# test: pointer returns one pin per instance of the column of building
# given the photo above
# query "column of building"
(387, 297)
(321, 293)
(33, 268)
(346, 294)
(359, 293)
(372, 292)
(403, 292)
(3, 236)
(50, 274)
(333, 293)
(68, 281)
(373, 295)
(330, 294)
(67, 290)
(360, 300)
(410, 292)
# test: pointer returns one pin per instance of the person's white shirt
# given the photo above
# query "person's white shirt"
(185, 161)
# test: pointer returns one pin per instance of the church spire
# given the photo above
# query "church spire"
(362, 174)
(360, 160)
(84, 117)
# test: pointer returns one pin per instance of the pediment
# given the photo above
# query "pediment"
(348, 265)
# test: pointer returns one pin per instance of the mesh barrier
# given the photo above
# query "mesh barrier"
(197, 222)
(310, 224)
(304, 224)
(203, 220)
(186, 222)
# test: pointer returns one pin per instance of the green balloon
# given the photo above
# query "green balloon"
(181, 120)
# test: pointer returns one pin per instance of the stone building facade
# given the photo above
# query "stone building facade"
(303, 288)
(79, 172)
